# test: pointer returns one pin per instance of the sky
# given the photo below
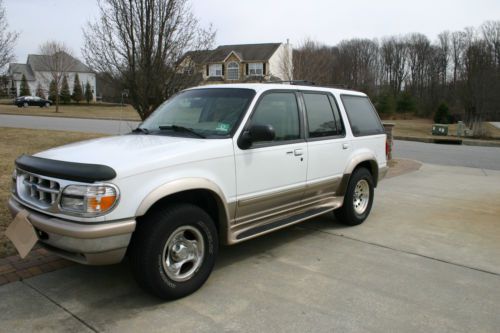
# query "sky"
(260, 21)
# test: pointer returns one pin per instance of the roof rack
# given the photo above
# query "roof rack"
(310, 83)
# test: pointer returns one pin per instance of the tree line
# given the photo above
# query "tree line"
(411, 73)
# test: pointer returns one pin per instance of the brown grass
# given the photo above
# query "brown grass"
(422, 128)
(14, 142)
(96, 111)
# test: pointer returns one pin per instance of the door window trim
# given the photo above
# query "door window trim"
(258, 145)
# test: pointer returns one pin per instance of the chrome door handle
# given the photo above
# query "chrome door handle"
(345, 146)
(297, 152)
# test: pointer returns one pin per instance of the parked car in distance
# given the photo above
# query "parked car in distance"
(25, 101)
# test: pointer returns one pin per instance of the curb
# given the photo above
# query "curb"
(444, 140)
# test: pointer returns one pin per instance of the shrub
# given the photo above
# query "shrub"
(25, 88)
(77, 90)
(65, 96)
(442, 115)
(53, 92)
(88, 93)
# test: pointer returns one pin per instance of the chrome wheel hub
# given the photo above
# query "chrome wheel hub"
(183, 253)
(361, 196)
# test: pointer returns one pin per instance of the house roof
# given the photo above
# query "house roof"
(19, 70)
(247, 52)
(198, 57)
(41, 63)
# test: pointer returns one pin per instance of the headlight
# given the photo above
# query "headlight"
(89, 200)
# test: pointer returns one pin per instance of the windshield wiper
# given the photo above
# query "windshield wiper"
(140, 130)
(178, 128)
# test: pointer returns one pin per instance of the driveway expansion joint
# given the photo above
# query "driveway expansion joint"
(405, 251)
(38, 291)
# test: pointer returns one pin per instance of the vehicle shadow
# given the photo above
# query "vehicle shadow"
(113, 287)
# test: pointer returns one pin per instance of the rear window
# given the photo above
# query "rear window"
(362, 115)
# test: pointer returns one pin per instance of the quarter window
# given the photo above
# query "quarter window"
(320, 119)
(256, 69)
(215, 70)
(362, 115)
(233, 71)
(281, 112)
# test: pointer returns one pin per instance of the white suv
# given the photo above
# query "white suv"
(213, 164)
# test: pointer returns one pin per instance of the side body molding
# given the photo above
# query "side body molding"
(226, 210)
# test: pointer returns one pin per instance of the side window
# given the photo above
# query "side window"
(362, 115)
(320, 118)
(280, 111)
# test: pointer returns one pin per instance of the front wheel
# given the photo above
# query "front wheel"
(173, 250)
(358, 198)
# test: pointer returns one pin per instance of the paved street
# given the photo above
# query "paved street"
(455, 155)
(68, 124)
(468, 156)
(425, 261)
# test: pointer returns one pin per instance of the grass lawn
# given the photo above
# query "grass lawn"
(83, 110)
(422, 128)
(14, 142)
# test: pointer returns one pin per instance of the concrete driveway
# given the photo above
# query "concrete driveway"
(427, 260)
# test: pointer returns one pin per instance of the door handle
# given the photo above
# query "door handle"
(345, 146)
(297, 152)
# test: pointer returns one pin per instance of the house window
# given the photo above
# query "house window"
(233, 71)
(256, 68)
(215, 70)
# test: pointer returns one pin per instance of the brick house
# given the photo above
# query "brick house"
(240, 63)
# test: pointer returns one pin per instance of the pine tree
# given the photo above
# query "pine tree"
(77, 90)
(39, 91)
(53, 92)
(65, 95)
(25, 88)
(88, 93)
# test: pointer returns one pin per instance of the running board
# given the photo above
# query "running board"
(279, 224)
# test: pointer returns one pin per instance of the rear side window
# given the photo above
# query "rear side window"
(320, 119)
(362, 115)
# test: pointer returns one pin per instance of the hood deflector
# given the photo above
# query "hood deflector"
(81, 172)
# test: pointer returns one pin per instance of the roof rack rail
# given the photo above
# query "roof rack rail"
(311, 83)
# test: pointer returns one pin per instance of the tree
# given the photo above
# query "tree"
(77, 95)
(39, 91)
(53, 91)
(57, 58)
(7, 39)
(65, 95)
(405, 103)
(140, 42)
(88, 93)
(442, 115)
(24, 88)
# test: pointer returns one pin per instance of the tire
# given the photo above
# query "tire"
(153, 254)
(357, 205)
(25, 104)
(47, 104)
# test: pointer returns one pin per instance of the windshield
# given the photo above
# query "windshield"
(209, 113)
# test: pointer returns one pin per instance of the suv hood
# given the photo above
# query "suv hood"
(132, 154)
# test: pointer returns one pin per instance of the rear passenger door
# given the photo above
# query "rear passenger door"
(327, 146)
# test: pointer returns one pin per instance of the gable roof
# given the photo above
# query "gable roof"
(18, 70)
(197, 57)
(247, 52)
(41, 63)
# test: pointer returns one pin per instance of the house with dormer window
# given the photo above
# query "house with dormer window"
(240, 63)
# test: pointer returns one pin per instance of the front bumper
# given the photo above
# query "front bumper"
(90, 244)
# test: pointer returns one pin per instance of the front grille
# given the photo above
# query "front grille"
(38, 190)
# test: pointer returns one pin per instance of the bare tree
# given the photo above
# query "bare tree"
(57, 60)
(313, 62)
(139, 42)
(393, 55)
(7, 39)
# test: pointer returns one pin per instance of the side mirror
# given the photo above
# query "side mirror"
(256, 133)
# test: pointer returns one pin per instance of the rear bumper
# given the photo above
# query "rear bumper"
(382, 172)
(90, 244)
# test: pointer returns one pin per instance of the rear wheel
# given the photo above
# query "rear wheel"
(47, 104)
(25, 104)
(173, 250)
(358, 198)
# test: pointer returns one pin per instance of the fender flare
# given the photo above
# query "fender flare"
(356, 160)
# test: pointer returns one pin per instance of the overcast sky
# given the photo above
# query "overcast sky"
(259, 21)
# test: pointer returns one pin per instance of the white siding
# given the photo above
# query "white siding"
(45, 77)
(281, 64)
